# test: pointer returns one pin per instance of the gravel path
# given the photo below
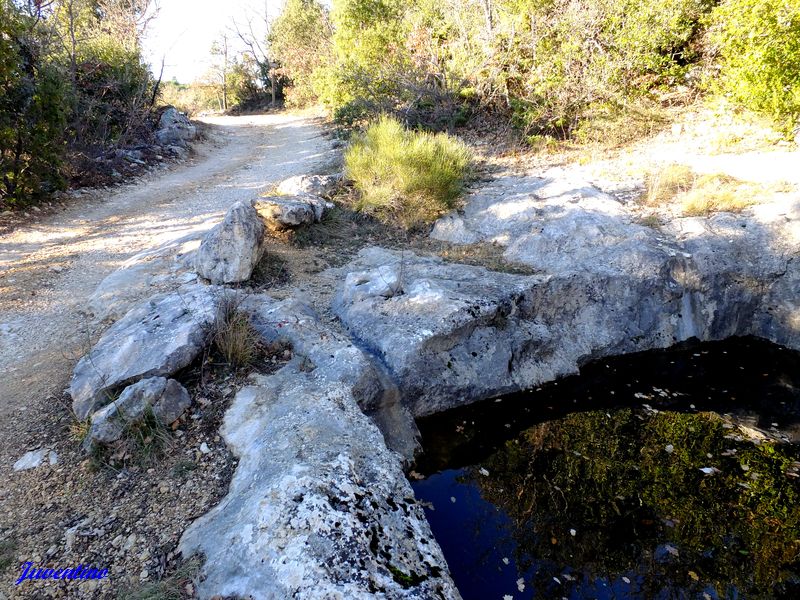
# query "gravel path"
(48, 269)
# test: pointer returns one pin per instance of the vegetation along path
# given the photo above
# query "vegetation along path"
(48, 269)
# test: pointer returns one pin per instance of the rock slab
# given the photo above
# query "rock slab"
(318, 506)
(323, 186)
(156, 338)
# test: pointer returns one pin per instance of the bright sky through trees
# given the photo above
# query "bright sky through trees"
(183, 31)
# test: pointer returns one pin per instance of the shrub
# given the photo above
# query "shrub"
(300, 39)
(32, 113)
(758, 45)
(410, 177)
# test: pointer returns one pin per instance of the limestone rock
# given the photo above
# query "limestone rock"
(168, 399)
(282, 212)
(164, 268)
(383, 281)
(459, 333)
(286, 212)
(35, 459)
(156, 338)
(315, 489)
(175, 129)
(232, 249)
(323, 186)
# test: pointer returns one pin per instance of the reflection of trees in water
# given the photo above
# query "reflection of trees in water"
(638, 508)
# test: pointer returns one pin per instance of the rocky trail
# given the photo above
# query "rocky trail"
(49, 269)
(359, 331)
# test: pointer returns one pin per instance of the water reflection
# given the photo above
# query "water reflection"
(652, 497)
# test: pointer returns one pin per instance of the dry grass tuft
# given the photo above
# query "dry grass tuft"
(664, 185)
(719, 193)
(234, 337)
(702, 195)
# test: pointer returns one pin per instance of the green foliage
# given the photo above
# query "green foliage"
(758, 43)
(300, 39)
(189, 98)
(32, 114)
(404, 176)
(365, 77)
(72, 83)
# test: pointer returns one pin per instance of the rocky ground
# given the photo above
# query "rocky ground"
(127, 512)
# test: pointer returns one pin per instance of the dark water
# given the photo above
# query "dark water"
(667, 474)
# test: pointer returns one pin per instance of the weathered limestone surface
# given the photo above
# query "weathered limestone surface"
(286, 212)
(318, 506)
(453, 334)
(156, 338)
(163, 268)
(232, 249)
(167, 398)
(317, 185)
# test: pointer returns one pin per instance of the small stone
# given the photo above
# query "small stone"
(206, 450)
(34, 459)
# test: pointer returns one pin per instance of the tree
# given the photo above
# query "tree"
(300, 40)
(221, 67)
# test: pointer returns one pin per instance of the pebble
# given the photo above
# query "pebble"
(206, 450)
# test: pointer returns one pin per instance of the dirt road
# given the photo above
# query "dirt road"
(49, 269)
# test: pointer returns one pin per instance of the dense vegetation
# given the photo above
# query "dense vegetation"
(72, 83)
(553, 67)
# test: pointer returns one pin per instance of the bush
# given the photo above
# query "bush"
(32, 113)
(758, 45)
(404, 176)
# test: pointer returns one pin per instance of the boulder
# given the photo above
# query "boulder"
(156, 338)
(285, 212)
(457, 333)
(175, 129)
(232, 249)
(323, 186)
(167, 399)
(316, 490)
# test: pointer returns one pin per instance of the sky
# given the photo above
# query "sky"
(183, 31)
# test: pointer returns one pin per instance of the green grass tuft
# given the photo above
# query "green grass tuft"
(407, 177)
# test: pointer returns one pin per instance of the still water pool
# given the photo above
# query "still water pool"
(669, 474)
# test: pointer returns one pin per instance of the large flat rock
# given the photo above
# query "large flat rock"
(318, 506)
(453, 334)
(157, 337)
